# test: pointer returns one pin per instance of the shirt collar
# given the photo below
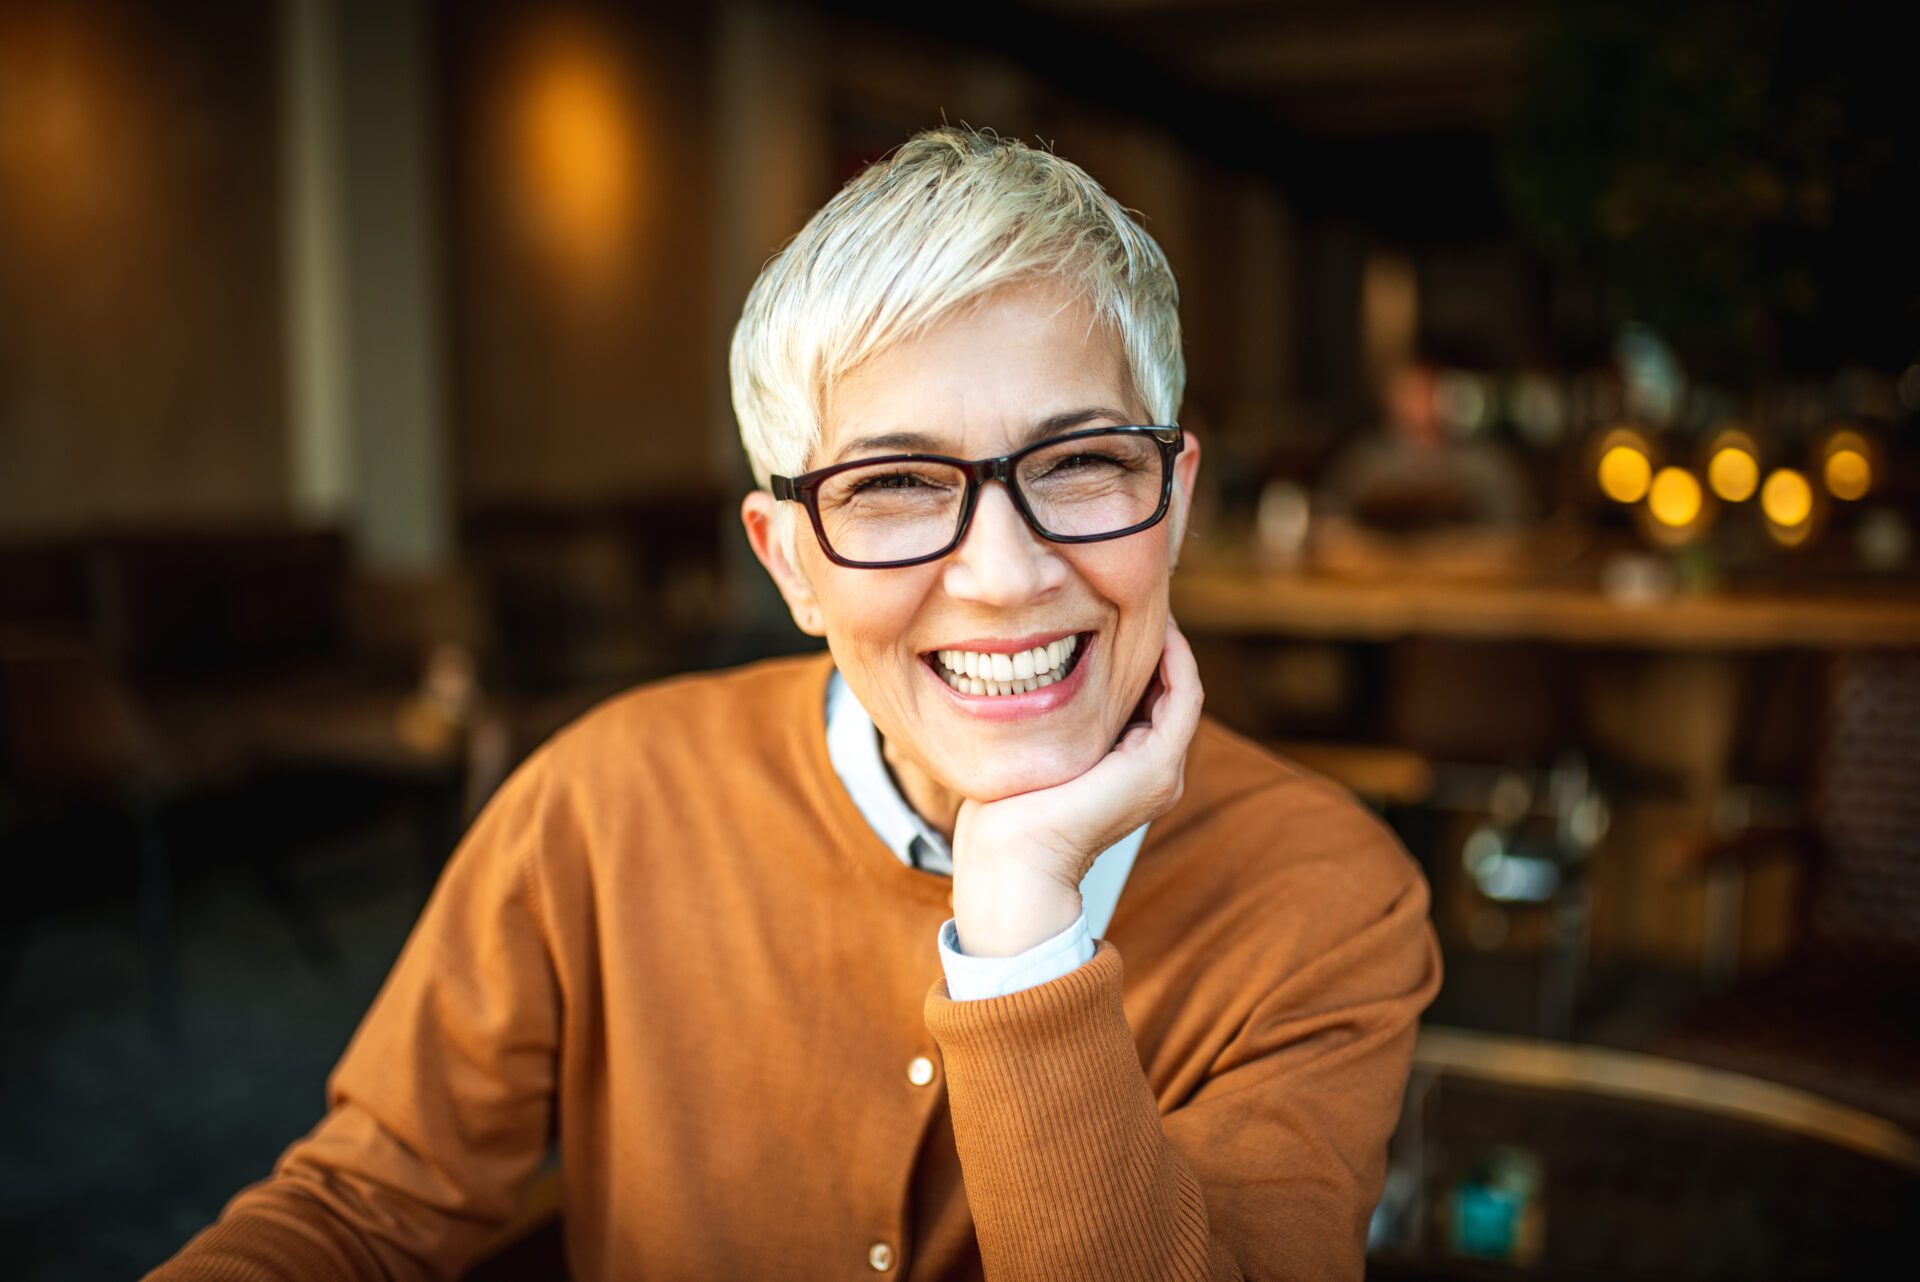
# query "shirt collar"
(853, 745)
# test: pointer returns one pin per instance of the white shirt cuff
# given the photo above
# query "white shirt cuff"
(972, 979)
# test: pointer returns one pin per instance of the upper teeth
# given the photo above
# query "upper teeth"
(983, 672)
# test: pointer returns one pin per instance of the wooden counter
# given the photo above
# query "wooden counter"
(1222, 600)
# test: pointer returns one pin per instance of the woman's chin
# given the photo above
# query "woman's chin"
(1008, 775)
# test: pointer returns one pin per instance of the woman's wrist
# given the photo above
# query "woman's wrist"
(1002, 910)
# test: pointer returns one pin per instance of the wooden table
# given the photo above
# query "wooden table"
(1247, 602)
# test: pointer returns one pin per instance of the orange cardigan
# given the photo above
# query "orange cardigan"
(672, 943)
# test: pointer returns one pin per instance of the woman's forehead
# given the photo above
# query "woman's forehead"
(1000, 372)
(929, 439)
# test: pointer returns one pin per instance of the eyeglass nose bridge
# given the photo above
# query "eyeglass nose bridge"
(1001, 470)
(994, 469)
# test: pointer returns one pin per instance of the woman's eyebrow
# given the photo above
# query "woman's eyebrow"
(1055, 424)
(921, 443)
(912, 442)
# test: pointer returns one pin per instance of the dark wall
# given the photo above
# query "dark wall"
(580, 219)
(140, 318)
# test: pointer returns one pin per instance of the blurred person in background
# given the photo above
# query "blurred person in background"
(815, 966)
(1416, 474)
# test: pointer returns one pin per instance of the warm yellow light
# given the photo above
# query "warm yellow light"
(76, 115)
(1849, 475)
(1734, 474)
(1674, 497)
(1786, 498)
(1846, 439)
(575, 146)
(1624, 474)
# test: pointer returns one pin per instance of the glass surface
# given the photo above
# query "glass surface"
(1075, 488)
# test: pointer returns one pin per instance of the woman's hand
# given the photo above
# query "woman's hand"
(1018, 862)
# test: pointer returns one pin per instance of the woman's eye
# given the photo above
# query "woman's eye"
(1084, 462)
(901, 484)
(890, 481)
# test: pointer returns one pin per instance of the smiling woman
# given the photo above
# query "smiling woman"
(816, 964)
(987, 379)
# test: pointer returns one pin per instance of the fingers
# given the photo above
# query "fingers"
(1158, 746)
(1181, 697)
(1152, 756)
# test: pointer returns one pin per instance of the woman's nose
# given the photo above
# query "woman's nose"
(1002, 561)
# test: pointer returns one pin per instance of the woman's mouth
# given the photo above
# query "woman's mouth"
(1000, 674)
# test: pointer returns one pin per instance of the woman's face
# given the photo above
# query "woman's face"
(980, 383)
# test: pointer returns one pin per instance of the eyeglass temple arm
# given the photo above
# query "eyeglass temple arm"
(782, 487)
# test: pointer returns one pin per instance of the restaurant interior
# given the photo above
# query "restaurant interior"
(364, 418)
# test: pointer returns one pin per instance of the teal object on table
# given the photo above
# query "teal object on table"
(1494, 1212)
(1485, 1221)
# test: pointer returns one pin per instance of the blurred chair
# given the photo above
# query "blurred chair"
(598, 596)
(1495, 718)
(1379, 775)
(228, 692)
(1841, 1015)
(1482, 702)
(74, 740)
(1638, 1167)
(1462, 746)
(218, 606)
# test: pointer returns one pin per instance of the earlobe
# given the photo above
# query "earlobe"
(1186, 468)
(759, 513)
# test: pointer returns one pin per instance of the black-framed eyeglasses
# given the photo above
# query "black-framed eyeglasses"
(906, 509)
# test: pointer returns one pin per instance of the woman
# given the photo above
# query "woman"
(814, 968)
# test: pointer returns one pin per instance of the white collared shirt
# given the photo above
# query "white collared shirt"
(853, 745)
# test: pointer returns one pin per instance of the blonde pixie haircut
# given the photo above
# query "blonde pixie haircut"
(948, 217)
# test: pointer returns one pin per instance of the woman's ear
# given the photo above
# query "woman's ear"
(1186, 467)
(760, 514)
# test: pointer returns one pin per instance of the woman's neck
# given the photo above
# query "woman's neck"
(933, 802)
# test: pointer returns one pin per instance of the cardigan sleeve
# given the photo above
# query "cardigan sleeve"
(440, 1109)
(1269, 1168)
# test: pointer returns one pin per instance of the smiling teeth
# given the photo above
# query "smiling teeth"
(983, 672)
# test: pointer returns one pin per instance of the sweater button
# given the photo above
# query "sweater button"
(920, 1071)
(880, 1256)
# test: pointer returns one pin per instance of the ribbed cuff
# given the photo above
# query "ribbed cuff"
(1077, 1015)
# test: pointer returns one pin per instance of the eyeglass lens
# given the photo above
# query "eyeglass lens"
(898, 511)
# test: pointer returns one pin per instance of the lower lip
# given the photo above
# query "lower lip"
(1018, 707)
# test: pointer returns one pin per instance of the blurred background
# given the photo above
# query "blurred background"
(363, 418)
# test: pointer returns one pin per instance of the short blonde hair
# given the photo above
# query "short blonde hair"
(949, 216)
